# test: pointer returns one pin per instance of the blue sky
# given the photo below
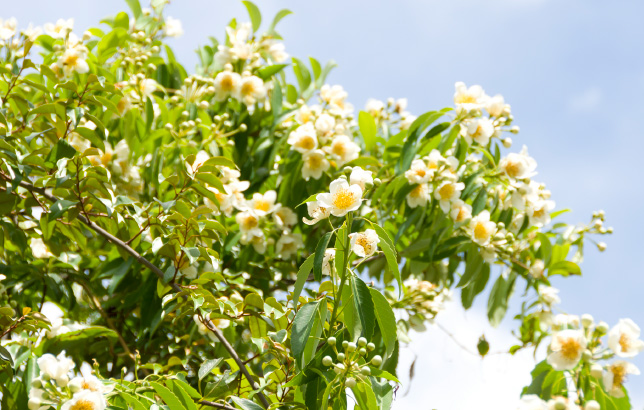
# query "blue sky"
(573, 72)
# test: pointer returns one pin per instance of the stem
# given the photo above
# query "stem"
(157, 272)
(343, 276)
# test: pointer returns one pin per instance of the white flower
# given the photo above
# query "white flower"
(55, 368)
(549, 295)
(562, 403)
(60, 29)
(519, 166)
(537, 268)
(615, 376)
(147, 86)
(90, 383)
(39, 249)
(241, 34)
(418, 173)
(256, 238)
(460, 211)
(539, 212)
(406, 120)
(276, 50)
(324, 123)
(73, 60)
(251, 89)
(226, 84)
(374, 107)
(8, 28)
(566, 348)
(482, 229)
(284, 217)
(329, 255)
(2, 277)
(532, 402)
(418, 196)
(447, 192)
(496, 105)
(478, 129)
(247, 220)
(343, 150)
(467, 99)
(563, 320)
(623, 339)
(263, 204)
(342, 198)
(303, 139)
(315, 164)
(317, 212)
(360, 177)
(36, 399)
(173, 27)
(365, 243)
(336, 97)
(401, 105)
(32, 32)
(288, 245)
(86, 400)
(200, 158)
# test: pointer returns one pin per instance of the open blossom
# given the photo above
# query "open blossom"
(173, 27)
(73, 61)
(623, 339)
(566, 349)
(343, 149)
(263, 204)
(8, 28)
(537, 268)
(539, 212)
(227, 84)
(519, 166)
(247, 220)
(276, 50)
(256, 238)
(374, 107)
(201, 157)
(31, 32)
(336, 97)
(324, 124)
(478, 129)
(60, 29)
(532, 402)
(39, 249)
(448, 192)
(55, 368)
(365, 243)
(360, 177)
(495, 106)
(203, 329)
(615, 376)
(342, 198)
(467, 99)
(90, 382)
(288, 245)
(284, 217)
(86, 400)
(418, 173)
(418, 196)
(317, 212)
(303, 139)
(314, 164)
(251, 89)
(481, 228)
(460, 211)
(549, 295)
(329, 255)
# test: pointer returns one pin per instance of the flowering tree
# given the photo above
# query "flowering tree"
(240, 238)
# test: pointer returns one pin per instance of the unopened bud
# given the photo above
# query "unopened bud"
(377, 360)
(351, 382)
(243, 127)
(602, 327)
(351, 347)
(365, 371)
(592, 405)
(345, 343)
(587, 320)
(514, 129)
(507, 142)
(331, 341)
(587, 356)
(341, 357)
(362, 342)
(371, 347)
(327, 361)
(597, 371)
(601, 246)
(204, 105)
(362, 351)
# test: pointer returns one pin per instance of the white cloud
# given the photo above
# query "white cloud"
(586, 101)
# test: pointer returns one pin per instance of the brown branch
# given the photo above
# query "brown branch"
(216, 405)
(12, 327)
(159, 273)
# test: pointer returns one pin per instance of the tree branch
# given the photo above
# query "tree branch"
(216, 405)
(159, 273)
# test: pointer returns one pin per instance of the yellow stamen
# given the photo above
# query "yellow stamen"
(343, 199)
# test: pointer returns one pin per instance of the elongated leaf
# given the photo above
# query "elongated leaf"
(207, 366)
(364, 307)
(246, 404)
(168, 397)
(303, 325)
(368, 129)
(319, 255)
(389, 249)
(302, 276)
(386, 320)
(59, 207)
(254, 13)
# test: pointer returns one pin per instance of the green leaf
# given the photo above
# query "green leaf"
(473, 264)
(207, 366)
(564, 268)
(168, 397)
(6, 356)
(302, 276)
(364, 396)
(246, 404)
(135, 6)
(181, 394)
(279, 16)
(363, 305)
(306, 329)
(7, 202)
(319, 255)
(267, 72)
(368, 129)
(59, 207)
(499, 296)
(132, 401)
(386, 320)
(389, 249)
(62, 149)
(254, 13)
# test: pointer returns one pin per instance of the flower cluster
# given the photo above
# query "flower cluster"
(394, 113)
(352, 365)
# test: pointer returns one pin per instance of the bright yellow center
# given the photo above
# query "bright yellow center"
(447, 191)
(339, 149)
(262, 205)
(480, 231)
(417, 192)
(619, 375)
(250, 222)
(465, 99)
(570, 348)
(421, 172)
(83, 405)
(539, 213)
(248, 88)
(365, 243)
(314, 161)
(71, 60)
(462, 214)
(343, 199)
(227, 83)
(306, 142)
(625, 342)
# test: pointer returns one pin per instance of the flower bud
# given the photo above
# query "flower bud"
(371, 347)
(331, 341)
(168, 127)
(243, 127)
(560, 404)
(185, 114)
(350, 383)
(347, 170)
(597, 371)
(377, 181)
(341, 357)
(602, 327)
(204, 105)
(362, 342)
(37, 383)
(345, 343)
(592, 405)
(514, 129)
(351, 347)
(377, 360)
(365, 371)
(327, 361)
(587, 356)
(362, 351)
(338, 368)
(507, 142)
(587, 320)
(601, 246)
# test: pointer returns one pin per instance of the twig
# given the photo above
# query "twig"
(216, 405)
(158, 272)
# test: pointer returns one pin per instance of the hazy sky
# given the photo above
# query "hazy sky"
(573, 72)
